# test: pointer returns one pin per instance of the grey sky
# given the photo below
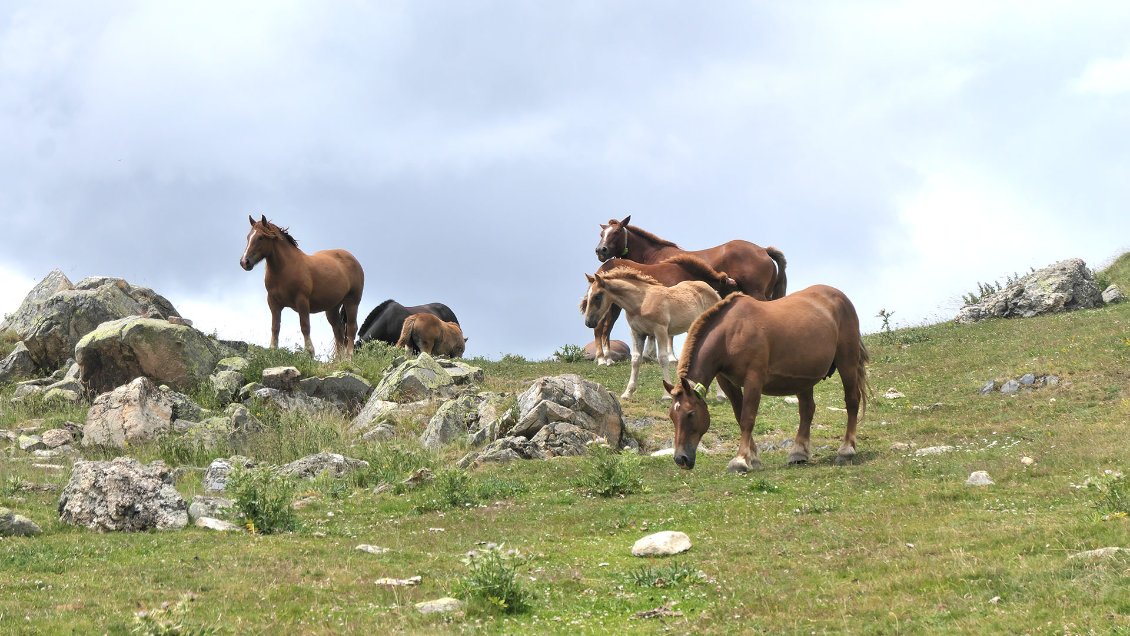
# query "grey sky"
(465, 152)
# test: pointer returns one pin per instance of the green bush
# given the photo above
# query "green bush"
(1112, 493)
(457, 489)
(569, 353)
(260, 358)
(608, 473)
(672, 575)
(491, 584)
(390, 463)
(263, 499)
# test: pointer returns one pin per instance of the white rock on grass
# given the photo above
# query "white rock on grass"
(663, 543)
(933, 450)
(1101, 553)
(408, 582)
(979, 478)
(443, 605)
(220, 525)
(1027, 461)
(665, 452)
(371, 549)
(893, 394)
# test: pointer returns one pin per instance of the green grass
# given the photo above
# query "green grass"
(892, 544)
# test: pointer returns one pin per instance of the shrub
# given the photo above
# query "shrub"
(671, 575)
(260, 358)
(263, 499)
(168, 620)
(455, 488)
(389, 463)
(608, 473)
(1112, 493)
(569, 353)
(492, 583)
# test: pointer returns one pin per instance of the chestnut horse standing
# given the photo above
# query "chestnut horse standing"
(432, 335)
(781, 347)
(670, 271)
(758, 271)
(330, 280)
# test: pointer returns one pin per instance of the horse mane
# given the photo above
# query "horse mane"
(373, 315)
(270, 229)
(699, 324)
(624, 273)
(647, 235)
(696, 266)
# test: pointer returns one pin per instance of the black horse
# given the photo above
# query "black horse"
(384, 322)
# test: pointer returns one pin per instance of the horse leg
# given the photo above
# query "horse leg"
(637, 346)
(276, 321)
(853, 393)
(302, 306)
(333, 316)
(604, 340)
(807, 407)
(663, 341)
(734, 393)
(747, 458)
(350, 308)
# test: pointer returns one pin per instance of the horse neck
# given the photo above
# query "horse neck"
(627, 293)
(701, 363)
(284, 256)
(643, 250)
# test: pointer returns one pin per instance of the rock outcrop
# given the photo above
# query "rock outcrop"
(1064, 286)
(122, 495)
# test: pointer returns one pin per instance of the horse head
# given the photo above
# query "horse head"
(258, 240)
(596, 302)
(691, 416)
(613, 239)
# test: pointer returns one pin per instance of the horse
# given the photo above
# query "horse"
(780, 347)
(330, 280)
(670, 271)
(386, 320)
(758, 271)
(652, 307)
(429, 334)
(616, 351)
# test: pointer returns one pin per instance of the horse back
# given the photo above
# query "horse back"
(750, 265)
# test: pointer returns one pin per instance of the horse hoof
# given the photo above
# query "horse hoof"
(797, 459)
(626, 396)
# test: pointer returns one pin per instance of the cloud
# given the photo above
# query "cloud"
(1105, 76)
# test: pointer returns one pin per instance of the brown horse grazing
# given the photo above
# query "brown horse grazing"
(432, 335)
(653, 309)
(670, 271)
(759, 271)
(782, 347)
(331, 281)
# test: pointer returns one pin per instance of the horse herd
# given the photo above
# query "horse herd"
(742, 329)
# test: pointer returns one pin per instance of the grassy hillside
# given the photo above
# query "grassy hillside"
(894, 544)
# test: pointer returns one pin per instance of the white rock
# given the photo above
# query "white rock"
(932, 450)
(440, 605)
(662, 544)
(666, 452)
(217, 524)
(893, 394)
(791, 399)
(979, 478)
(371, 549)
(1027, 461)
(1101, 553)
(900, 446)
(408, 582)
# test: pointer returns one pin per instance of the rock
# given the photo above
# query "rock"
(119, 350)
(70, 314)
(1101, 553)
(220, 525)
(233, 363)
(30, 443)
(209, 506)
(893, 394)
(14, 525)
(933, 450)
(379, 413)
(989, 387)
(281, 378)
(461, 372)
(135, 412)
(422, 475)
(35, 303)
(503, 450)
(1028, 379)
(348, 391)
(391, 582)
(122, 495)
(664, 452)
(663, 543)
(332, 464)
(443, 605)
(562, 439)
(18, 365)
(287, 401)
(56, 437)
(1027, 461)
(573, 399)
(419, 378)
(216, 477)
(900, 446)
(226, 384)
(494, 416)
(1010, 387)
(1113, 294)
(1063, 286)
(371, 549)
(979, 478)
(452, 421)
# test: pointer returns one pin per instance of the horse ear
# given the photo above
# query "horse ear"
(624, 223)
(686, 384)
(251, 220)
(263, 220)
(604, 226)
(668, 386)
(589, 277)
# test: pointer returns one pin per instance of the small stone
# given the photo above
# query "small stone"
(440, 606)
(979, 478)
(408, 582)
(1100, 553)
(1027, 461)
(281, 378)
(371, 549)
(30, 443)
(989, 387)
(420, 476)
(1010, 387)
(900, 446)
(220, 525)
(893, 394)
(1028, 379)
(933, 450)
(662, 544)
(791, 399)
(56, 437)
(14, 525)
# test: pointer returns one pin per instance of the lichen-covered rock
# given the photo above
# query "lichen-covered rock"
(135, 412)
(1063, 286)
(348, 391)
(18, 365)
(281, 378)
(122, 495)
(119, 350)
(331, 464)
(452, 421)
(415, 379)
(35, 303)
(1113, 294)
(14, 525)
(573, 399)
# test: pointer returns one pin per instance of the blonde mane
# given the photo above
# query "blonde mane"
(692, 334)
(628, 273)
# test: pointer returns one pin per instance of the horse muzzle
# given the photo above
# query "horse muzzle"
(591, 322)
(602, 253)
(683, 460)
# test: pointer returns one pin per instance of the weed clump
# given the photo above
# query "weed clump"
(608, 473)
(491, 584)
(263, 499)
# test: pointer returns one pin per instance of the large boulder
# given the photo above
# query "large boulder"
(452, 421)
(18, 365)
(573, 399)
(1064, 286)
(348, 391)
(52, 327)
(122, 495)
(135, 412)
(167, 353)
(415, 379)
(35, 302)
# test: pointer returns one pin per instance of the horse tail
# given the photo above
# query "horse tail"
(782, 281)
(861, 374)
(407, 333)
